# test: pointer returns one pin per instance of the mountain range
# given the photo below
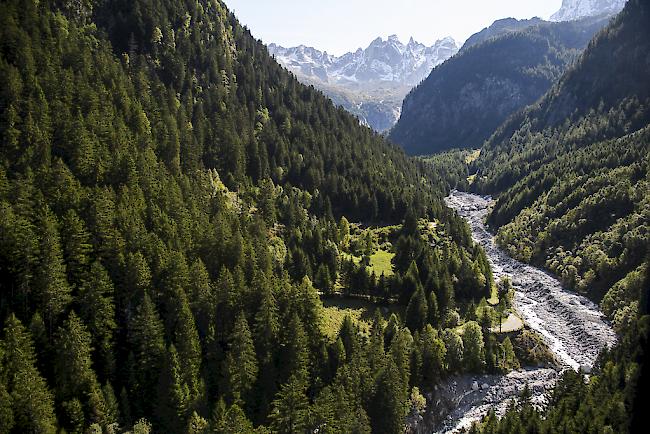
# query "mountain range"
(176, 252)
(371, 82)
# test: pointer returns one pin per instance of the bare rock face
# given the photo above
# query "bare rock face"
(575, 9)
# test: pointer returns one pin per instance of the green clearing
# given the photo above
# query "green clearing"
(473, 156)
(380, 262)
(361, 312)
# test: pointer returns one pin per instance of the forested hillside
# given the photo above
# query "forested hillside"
(571, 174)
(464, 100)
(172, 205)
(572, 170)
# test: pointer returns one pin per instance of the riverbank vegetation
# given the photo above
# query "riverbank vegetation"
(173, 208)
(571, 173)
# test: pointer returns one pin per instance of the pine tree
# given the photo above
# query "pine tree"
(473, 347)
(433, 312)
(146, 341)
(76, 247)
(98, 311)
(51, 281)
(202, 298)
(433, 357)
(401, 349)
(310, 309)
(187, 342)
(75, 377)
(266, 338)
(290, 408)
(32, 402)
(173, 396)
(294, 358)
(136, 281)
(411, 283)
(240, 366)
(230, 420)
(388, 407)
(6, 403)
(455, 350)
(348, 333)
(417, 311)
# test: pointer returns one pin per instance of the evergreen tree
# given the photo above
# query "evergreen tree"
(290, 408)
(473, 347)
(294, 358)
(98, 311)
(146, 340)
(433, 312)
(6, 410)
(75, 377)
(455, 350)
(417, 311)
(388, 407)
(187, 343)
(174, 395)
(51, 281)
(230, 420)
(433, 357)
(76, 247)
(240, 366)
(32, 402)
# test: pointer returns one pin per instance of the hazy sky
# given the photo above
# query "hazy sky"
(338, 26)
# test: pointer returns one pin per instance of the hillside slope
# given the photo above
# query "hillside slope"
(571, 172)
(172, 207)
(572, 178)
(465, 99)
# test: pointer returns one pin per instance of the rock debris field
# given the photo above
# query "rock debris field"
(572, 326)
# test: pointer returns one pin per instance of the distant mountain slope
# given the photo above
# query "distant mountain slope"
(170, 199)
(499, 28)
(572, 171)
(465, 99)
(572, 174)
(576, 9)
(369, 83)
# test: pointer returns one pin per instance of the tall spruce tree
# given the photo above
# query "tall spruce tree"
(32, 403)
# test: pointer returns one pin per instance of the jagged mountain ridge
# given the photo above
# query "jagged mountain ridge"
(575, 9)
(370, 83)
(384, 60)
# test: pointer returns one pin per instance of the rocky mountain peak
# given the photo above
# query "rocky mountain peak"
(575, 9)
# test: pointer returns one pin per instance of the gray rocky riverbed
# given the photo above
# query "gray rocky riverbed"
(572, 326)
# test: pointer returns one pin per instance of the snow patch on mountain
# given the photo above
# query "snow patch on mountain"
(370, 83)
(384, 60)
(575, 9)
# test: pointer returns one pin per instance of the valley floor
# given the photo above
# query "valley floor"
(572, 326)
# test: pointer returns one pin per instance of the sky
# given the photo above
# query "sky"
(339, 26)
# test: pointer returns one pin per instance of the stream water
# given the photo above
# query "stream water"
(572, 326)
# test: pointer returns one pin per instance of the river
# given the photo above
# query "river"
(572, 326)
